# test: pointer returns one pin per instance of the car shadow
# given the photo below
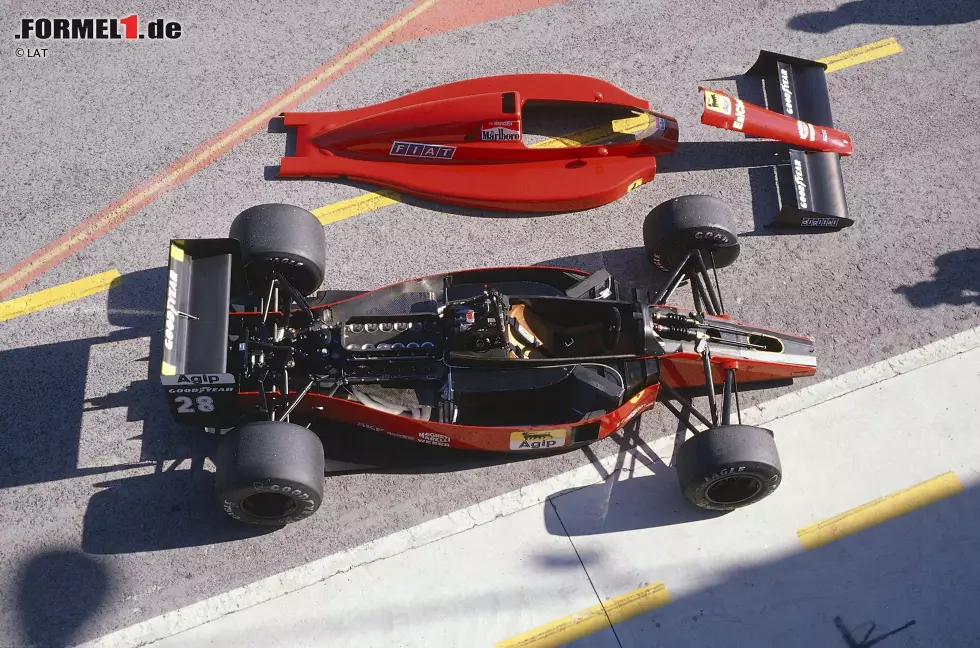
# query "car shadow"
(955, 281)
(624, 501)
(56, 593)
(887, 12)
(39, 442)
(876, 587)
(170, 508)
(155, 503)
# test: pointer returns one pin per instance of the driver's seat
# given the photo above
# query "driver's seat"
(526, 339)
(534, 337)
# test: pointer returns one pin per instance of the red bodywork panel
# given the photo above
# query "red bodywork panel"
(687, 370)
(498, 439)
(723, 111)
(461, 144)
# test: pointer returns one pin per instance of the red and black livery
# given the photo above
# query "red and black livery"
(513, 359)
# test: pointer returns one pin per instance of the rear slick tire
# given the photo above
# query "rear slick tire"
(282, 238)
(269, 473)
(697, 222)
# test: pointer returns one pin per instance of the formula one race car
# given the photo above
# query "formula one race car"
(512, 359)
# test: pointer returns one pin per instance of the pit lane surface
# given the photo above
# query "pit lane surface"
(105, 505)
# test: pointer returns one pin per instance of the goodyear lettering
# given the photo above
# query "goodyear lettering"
(285, 261)
(800, 183)
(171, 322)
(787, 93)
(712, 236)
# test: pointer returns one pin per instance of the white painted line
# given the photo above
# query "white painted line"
(864, 377)
(295, 579)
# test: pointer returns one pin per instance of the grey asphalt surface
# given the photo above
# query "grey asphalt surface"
(105, 511)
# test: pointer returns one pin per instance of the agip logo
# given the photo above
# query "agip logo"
(539, 439)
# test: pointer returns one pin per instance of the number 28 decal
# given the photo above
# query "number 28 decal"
(185, 405)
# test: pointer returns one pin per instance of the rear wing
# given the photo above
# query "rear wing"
(198, 387)
(811, 188)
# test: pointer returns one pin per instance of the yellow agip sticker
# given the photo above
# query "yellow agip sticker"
(539, 439)
(717, 102)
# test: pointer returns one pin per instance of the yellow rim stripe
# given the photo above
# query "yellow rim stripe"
(863, 54)
(880, 510)
(592, 619)
(58, 295)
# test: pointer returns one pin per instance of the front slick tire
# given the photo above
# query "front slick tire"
(728, 467)
(677, 226)
(269, 473)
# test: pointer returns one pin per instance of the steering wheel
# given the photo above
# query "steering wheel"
(612, 329)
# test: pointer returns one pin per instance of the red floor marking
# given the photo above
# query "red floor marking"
(454, 14)
(421, 18)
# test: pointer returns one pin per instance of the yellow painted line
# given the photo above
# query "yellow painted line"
(58, 295)
(378, 199)
(863, 54)
(597, 134)
(198, 158)
(591, 620)
(176, 253)
(356, 206)
(880, 510)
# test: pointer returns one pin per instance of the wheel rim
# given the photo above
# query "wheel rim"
(269, 506)
(734, 490)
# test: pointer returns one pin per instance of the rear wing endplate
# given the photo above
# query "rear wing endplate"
(811, 188)
(194, 374)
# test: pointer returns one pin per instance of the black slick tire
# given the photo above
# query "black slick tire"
(269, 473)
(284, 238)
(728, 467)
(686, 223)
